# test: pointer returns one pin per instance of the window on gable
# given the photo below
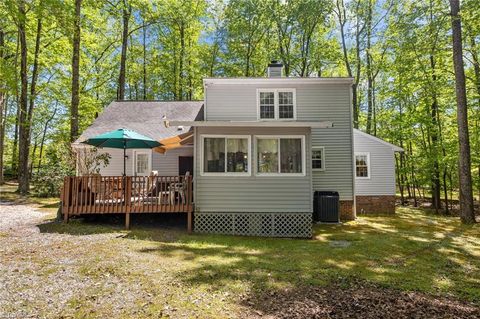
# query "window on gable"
(318, 158)
(276, 104)
(267, 105)
(226, 154)
(362, 165)
(285, 105)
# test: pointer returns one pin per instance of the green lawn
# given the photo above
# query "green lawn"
(412, 251)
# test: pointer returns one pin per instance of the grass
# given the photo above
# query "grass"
(207, 275)
(410, 251)
(8, 193)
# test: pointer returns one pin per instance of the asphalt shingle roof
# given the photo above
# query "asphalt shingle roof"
(144, 117)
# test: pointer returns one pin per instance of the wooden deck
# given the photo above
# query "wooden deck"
(127, 195)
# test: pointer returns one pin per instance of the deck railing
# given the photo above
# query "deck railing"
(131, 194)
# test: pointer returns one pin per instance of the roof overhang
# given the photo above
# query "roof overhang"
(324, 124)
(394, 147)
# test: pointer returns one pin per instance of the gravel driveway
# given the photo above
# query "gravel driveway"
(46, 274)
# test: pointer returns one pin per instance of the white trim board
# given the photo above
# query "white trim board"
(319, 124)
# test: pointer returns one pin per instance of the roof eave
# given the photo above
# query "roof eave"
(319, 124)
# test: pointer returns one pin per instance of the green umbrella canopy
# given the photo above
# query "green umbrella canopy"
(122, 138)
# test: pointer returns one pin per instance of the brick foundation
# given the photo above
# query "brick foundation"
(346, 210)
(382, 204)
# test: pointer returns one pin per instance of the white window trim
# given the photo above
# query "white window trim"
(323, 158)
(276, 104)
(134, 161)
(202, 160)
(368, 165)
(302, 137)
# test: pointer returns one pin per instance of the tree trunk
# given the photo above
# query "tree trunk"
(3, 116)
(144, 61)
(123, 57)
(23, 132)
(44, 134)
(369, 69)
(436, 191)
(74, 130)
(341, 21)
(3, 107)
(467, 214)
(181, 62)
(17, 116)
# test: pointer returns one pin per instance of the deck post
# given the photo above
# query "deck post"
(189, 222)
(128, 195)
(65, 198)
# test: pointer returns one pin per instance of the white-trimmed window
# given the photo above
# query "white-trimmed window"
(276, 104)
(280, 155)
(142, 164)
(362, 165)
(225, 155)
(318, 158)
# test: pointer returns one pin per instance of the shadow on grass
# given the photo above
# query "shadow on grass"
(410, 251)
(143, 226)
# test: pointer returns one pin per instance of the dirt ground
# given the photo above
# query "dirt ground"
(60, 275)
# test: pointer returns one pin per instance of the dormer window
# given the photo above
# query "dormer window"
(276, 104)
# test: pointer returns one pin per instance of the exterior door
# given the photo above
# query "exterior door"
(185, 164)
(142, 163)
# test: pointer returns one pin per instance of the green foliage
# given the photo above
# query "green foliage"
(173, 44)
(49, 180)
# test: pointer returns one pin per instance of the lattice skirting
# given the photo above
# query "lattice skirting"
(255, 224)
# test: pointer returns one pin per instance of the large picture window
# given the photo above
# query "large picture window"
(362, 165)
(276, 104)
(226, 155)
(280, 155)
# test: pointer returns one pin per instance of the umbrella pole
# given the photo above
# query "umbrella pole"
(127, 213)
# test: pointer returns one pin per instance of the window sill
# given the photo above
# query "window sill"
(280, 175)
(226, 174)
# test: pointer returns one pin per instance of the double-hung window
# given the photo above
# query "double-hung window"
(280, 155)
(362, 165)
(318, 158)
(276, 104)
(225, 155)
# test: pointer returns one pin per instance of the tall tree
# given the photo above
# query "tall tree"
(24, 132)
(467, 213)
(126, 13)
(74, 131)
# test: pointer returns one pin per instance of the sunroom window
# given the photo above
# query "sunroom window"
(280, 155)
(226, 155)
(276, 104)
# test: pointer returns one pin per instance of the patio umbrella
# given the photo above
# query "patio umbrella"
(174, 142)
(122, 138)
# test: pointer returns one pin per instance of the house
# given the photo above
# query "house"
(258, 149)
(374, 173)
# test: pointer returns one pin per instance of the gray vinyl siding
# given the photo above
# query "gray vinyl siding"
(252, 193)
(166, 164)
(314, 102)
(115, 165)
(382, 167)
